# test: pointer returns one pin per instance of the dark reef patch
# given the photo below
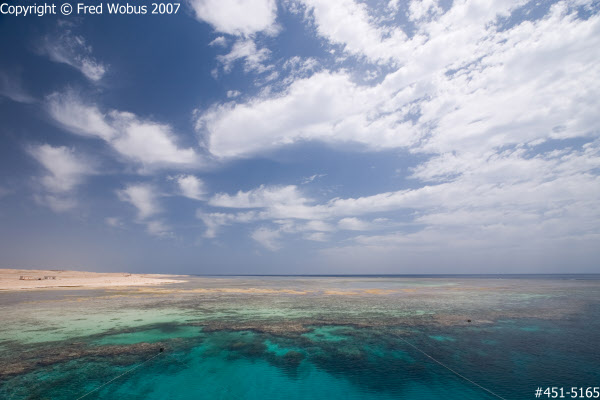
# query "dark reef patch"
(43, 356)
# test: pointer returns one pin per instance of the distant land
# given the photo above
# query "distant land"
(20, 279)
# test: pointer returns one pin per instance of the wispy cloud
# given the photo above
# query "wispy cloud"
(263, 196)
(214, 221)
(268, 238)
(65, 171)
(506, 193)
(220, 41)
(311, 178)
(246, 50)
(145, 198)
(11, 87)
(71, 49)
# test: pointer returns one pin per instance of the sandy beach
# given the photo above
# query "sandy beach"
(22, 279)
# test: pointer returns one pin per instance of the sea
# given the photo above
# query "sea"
(306, 337)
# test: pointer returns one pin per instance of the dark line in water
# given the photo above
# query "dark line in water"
(450, 369)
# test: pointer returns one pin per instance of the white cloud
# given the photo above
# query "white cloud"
(349, 24)
(510, 240)
(463, 85)
(245, 49)
(286, 207)
(477, 92)
(66, 170)
(325, 107)
(509, 207)
(143, 197)
(219, 41)
(233, 93)
(393, 5)
(278, 204)
(267, 238)
(261, 197)
(71, 49)
(298, 67)
(508, 180)
(191, 187)
(419, 9)
(151, 144)
(214, 221)
(148, 142)
(353, 224)
(70, 111)
(271, 77)
(496, 200)
(477, 99)
(237, 17)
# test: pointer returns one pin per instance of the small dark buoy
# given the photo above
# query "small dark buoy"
(161, 350)
(467, 321)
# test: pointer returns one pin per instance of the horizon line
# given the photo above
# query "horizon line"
(422, 274)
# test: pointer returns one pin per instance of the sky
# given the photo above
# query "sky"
(304, 137)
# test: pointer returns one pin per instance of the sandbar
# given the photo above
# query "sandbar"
(23, 279)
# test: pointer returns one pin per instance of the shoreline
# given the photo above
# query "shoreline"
(36, 279)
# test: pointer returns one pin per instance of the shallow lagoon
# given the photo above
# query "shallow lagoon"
(304, 337)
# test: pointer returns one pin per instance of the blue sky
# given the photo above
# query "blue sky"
(303, 137)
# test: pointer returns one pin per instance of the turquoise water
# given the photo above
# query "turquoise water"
(247, 338)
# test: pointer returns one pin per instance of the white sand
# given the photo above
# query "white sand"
(35, 279)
